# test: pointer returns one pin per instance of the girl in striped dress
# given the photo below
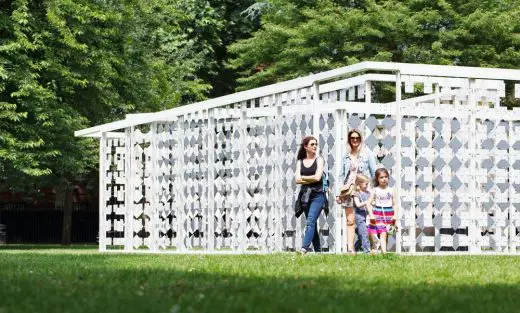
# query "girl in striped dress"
(384, 212)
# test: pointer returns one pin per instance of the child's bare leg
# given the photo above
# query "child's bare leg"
(351, 228)
(373, 242)
(383, 242)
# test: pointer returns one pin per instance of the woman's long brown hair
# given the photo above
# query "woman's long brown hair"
(301, 152)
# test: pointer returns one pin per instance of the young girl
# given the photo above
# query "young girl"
(384, 212)
(360, 204)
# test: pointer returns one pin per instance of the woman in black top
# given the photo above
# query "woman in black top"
(309, 172)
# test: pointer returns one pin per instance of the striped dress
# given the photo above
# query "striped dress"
(383, 210)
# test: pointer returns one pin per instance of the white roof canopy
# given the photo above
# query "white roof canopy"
(308, 81)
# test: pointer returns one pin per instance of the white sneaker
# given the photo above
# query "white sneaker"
(303, 251)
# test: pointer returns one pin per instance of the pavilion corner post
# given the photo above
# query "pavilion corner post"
(102, 190)
(129, 190)
(179, 174)
(398, 178)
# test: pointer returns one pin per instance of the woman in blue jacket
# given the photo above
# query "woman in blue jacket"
(358, 160)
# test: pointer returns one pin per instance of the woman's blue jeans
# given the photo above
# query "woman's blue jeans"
(312, 213)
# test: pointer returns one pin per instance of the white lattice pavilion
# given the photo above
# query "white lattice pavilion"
(217, 176)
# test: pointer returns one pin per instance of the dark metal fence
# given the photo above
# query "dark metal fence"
(44, 226)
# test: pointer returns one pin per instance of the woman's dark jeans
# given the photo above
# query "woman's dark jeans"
(312, 213)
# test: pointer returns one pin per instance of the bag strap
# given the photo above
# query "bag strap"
(325, 176)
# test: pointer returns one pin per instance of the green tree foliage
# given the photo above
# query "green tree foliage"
(238, 20)
(300, 37)
(66, 65)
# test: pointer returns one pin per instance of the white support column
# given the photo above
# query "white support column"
(243, 179)
(129, 190)
(368, 92)
(279, 210)
(102, 191)
(437, 94)
(412, 233)
(154, 199)
(211, 183)
(472, 228)
(339, 116)
(398, 122)
(511, 190)
(181, 247)
(315, 113)
(316, 126)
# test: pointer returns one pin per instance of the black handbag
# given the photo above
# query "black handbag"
(325, 208)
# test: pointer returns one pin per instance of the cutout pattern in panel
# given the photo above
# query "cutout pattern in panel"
(115, 180)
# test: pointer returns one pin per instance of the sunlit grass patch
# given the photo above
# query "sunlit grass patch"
(84, 280)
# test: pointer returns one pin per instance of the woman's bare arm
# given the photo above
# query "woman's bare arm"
(317, 176)
(297, 175)
(369, 204)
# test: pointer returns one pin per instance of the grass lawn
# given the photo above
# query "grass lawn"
(84, 280)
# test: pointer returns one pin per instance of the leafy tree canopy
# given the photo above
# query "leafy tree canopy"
(301, 37)
(66, 65)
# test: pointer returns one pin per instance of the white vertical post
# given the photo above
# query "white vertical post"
(278, 237)
(398, 121)
(368, 92)
(154, 188)
(368, 102)
(315, 113)
(412, 232)
(437, 94)
(472, 228)
(102, 191)
(211, 182)
(511, 209)
(243, 179)
(180, 186)
(129, 190)
(316, 127)
(339, 116)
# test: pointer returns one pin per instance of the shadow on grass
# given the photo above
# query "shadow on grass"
(97, 283)
(47, 247)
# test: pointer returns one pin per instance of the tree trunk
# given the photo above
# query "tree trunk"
(65, 193)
